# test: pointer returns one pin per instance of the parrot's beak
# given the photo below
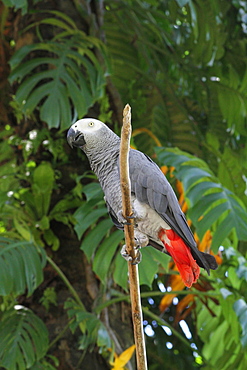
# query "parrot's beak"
(75, 138)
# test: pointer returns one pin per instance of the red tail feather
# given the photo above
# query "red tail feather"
(181, 254)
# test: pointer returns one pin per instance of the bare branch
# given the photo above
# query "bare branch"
(129, 240)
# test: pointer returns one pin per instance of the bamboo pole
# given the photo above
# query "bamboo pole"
(129, 240)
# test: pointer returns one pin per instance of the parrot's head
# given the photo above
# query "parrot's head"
(89, 133)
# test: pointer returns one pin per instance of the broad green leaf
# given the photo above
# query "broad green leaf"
(43, 181)
(196, 192)
(64, 205)
(120, 271)
(216, 213)
(22, 227)
(103, 339)
(86, 216)
(209, 206)
(44, 223)
(20, 4)
(148, 267)
(93, 238)
(93, 190)
(23, 337)
(45, 365)
(21, 265)
(93, 330)
(56, 88)
(240, 307)
(103, 258)
(51, 239)
(202, 206)
(163, 259)
(191, 174)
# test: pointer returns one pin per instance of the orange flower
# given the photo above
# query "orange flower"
(176, 283)
(181, 200)
(184, 307)
(205, 245)
(164, 169)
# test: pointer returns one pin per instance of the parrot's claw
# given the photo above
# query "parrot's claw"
(141, 240)
(138, 257)
(124, 221)
(128, 257)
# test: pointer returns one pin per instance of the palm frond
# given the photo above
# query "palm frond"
(211, 204)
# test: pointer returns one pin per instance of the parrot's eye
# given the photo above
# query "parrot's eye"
(91, 124)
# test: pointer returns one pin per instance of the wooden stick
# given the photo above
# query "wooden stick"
(129, 240)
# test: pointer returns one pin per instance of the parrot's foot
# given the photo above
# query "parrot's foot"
(141, 240)
(122, 220)
(128, 257)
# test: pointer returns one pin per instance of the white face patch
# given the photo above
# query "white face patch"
(87, 125)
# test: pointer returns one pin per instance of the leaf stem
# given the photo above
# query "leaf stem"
(122, 297)
(162, 322)
(60, 335)
(147, 312)
(66, 282)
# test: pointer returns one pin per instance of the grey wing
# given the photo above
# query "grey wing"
(113, 216)
(150, 186)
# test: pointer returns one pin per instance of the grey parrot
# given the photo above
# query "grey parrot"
(159, 220)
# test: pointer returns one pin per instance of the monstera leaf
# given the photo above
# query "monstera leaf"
(58, 74)
(21, 266)
(23, 337)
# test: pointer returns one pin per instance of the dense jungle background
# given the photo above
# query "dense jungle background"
(182, 66)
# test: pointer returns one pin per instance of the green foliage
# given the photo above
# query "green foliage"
(21, 4)
(98, 244)
(49, 297)
(152, 262)
(211, 204)
(179, 54)
(21, 266)
(105, 253)
(240, 307)
(8, 163)
(182, 67)
(68, 72)
(43, 364)
(23, 337)
(94, 332)
(222, 323)
(42, 186)
(30, 207)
